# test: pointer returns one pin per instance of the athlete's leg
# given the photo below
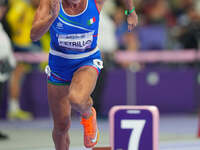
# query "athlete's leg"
(81, 87)
(61, 111)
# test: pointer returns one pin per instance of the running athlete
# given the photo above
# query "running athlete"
(74, 62)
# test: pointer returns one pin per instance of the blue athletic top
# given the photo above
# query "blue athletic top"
(75, 34)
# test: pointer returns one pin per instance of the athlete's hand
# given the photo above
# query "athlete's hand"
(54, 8)
(132, 20)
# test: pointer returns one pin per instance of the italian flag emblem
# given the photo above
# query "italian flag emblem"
(91, 21)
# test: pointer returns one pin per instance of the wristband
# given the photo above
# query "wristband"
(128, 12)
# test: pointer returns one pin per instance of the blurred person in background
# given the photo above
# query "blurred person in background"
(189, 24)
(153, 32)
(184, 33)
(179, 7)
(20, 17)
(155, 12)
(7, 60)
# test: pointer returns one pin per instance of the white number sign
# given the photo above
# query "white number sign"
(137, 127)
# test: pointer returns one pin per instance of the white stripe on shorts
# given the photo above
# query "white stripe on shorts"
(73, 56)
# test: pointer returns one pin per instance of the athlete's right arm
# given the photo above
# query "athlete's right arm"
(46, 13)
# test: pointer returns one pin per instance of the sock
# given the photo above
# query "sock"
(87, 115)
(13, 105)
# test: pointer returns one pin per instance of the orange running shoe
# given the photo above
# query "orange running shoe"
(91, 132)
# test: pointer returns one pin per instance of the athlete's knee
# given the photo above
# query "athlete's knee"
(79, 100)
(76, 98)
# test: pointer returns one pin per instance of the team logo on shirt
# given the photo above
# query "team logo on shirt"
(91, 21)
(59, 25)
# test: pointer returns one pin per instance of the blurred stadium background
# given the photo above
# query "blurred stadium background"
(156, 64)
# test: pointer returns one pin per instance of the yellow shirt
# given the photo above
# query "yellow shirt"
(20, 17)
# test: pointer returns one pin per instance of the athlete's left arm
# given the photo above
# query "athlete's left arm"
(132, 18)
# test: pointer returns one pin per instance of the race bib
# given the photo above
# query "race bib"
(79, 41)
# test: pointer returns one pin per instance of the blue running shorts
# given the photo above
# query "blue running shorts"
(60, 70)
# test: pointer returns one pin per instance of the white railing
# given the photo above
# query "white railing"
(31, 57)
(171, 56)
